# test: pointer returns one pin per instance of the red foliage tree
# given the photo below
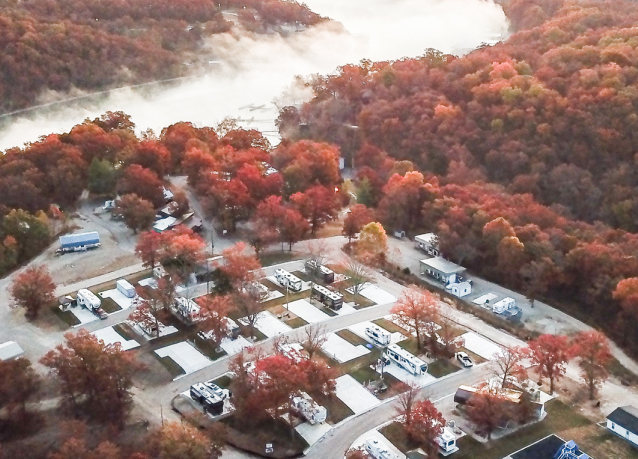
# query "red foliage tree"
(142, 182)
(425, 425)
(318, 204)
(594, 356)
(550, 353)
(358, 216)
(33, 289)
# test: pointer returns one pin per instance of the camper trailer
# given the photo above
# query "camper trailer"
(330, 298)
(91, 302)
(428, 243)
(378, 450)
(211, 400)
(379, 335)
(325, 274)
(125, 288)
(406, 360)
(504, 305)
(313, 412)
(288, 280)
(188, 309)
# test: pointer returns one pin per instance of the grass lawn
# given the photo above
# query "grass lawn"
(208, 349)
(337, 410)
(295, 322)
(396, 435)
(560, 420)
(352, 338)
(411, 346)
(352, 365)
(125, 331)
(110, 306)
(273, 258)
(360, 301)
(442, 367)
(173, 368)
(366, 374)
(223, 381)
(277, 432)
(66, 316)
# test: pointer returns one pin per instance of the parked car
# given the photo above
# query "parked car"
(101, 313)
(465, 359)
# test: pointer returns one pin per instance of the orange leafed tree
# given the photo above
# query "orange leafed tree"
(594, 356)
(32, 289)
(416, 310)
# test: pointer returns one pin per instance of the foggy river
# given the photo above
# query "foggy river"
(253, 74)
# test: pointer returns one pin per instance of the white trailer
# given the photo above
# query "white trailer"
(378, 450)
(125, 288)
(286, 279)
(188, 309)
(504, 305)
(379, 335)
(88, 299)
(406, 360)
(313, 412)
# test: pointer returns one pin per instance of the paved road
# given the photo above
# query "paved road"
(339, 439)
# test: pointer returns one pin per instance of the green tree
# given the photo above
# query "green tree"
(102, 176)
(30, 231)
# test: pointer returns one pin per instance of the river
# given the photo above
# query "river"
(254, 74)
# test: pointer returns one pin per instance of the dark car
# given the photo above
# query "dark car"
(101, 313)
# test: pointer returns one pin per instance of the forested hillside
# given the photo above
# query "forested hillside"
(525, 148)
(60, 45)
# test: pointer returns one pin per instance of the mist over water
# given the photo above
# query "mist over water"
(252, 72)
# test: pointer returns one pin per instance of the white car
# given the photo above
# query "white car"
(465, 359)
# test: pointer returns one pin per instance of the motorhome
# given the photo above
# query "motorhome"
(313, 412)
(379, 335)
(288, 280)
(378, 450)
(406, 360)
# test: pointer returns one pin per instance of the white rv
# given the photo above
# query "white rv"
(286, 279)
(91, 302)
(504, 305)
(378, 450)
(188, 309)
(447, 440)
(406, 360)
(379, 335)
(313, 412)
(88, 299)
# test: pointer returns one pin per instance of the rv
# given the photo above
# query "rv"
(447, 440)
(504, 305)
(378, 450)
(314, 413)
(330, 298)
(325, 274)
(91, 302)
(212, 402)
(288, 280)
(406, 360)
(379, 335)
(188, 309)
(125, 288)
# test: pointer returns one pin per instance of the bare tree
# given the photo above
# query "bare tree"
(249, 304)
(448, 341)
(316, 336)
(319, 251)
(508, 363)
(407, 400)
(359, 274)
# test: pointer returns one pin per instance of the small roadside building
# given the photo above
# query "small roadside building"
(460, 289)
(10, 350)
(428, 243)
(623, 421)
(441, 269)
